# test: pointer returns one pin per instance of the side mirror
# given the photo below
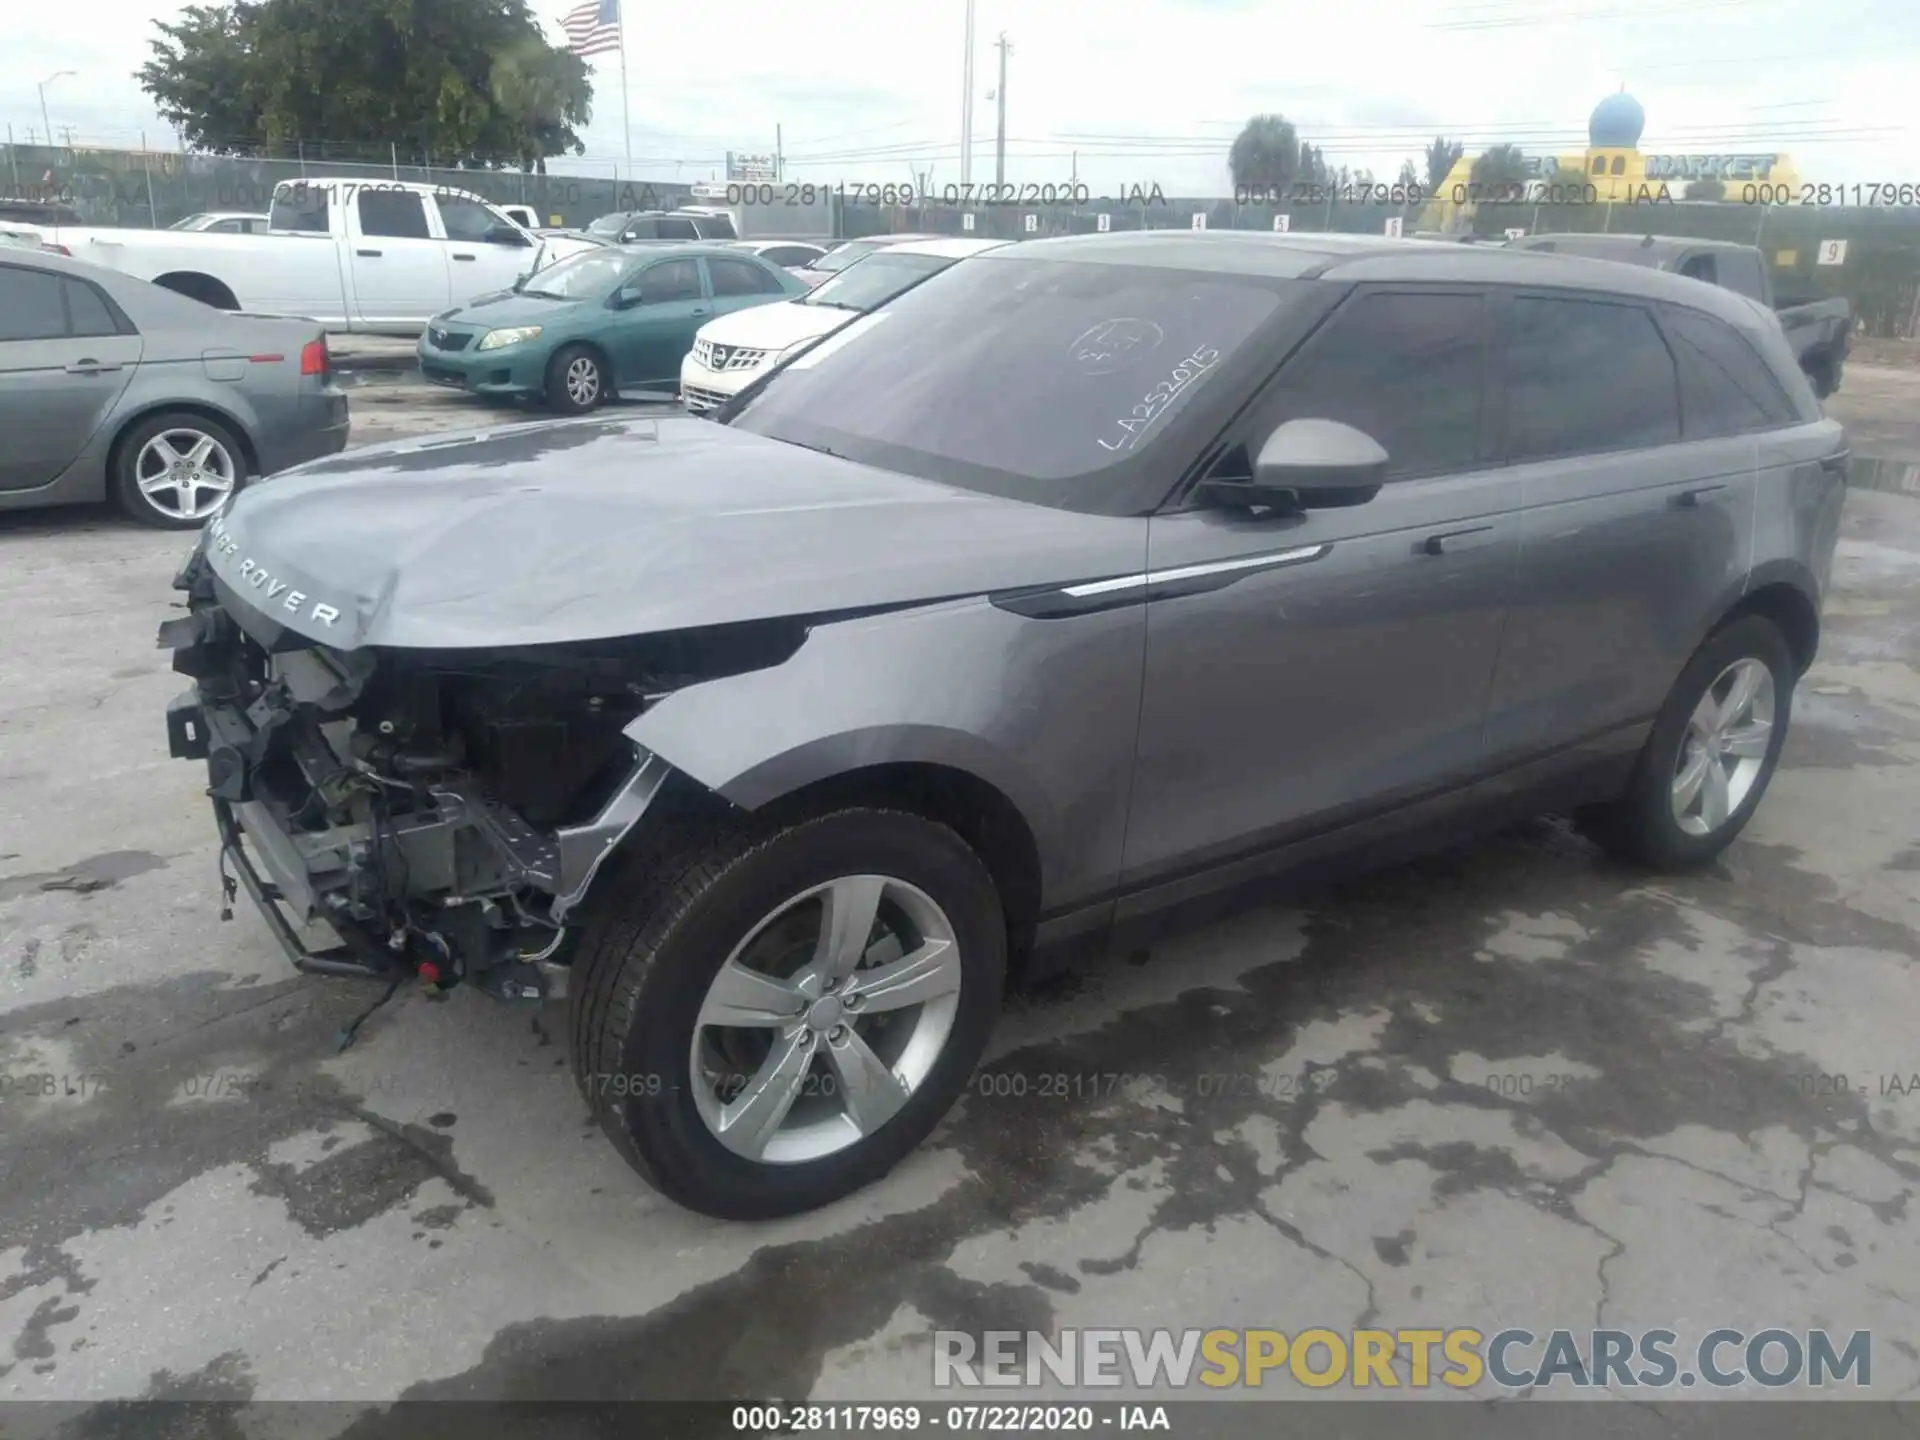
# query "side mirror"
(1308, 465)
(627, 296)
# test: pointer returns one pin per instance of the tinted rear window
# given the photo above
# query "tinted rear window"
(1021, 377)
(1725, 388)
(1585, 377)
(301, 208)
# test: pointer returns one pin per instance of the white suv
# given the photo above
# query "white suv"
(733, 350)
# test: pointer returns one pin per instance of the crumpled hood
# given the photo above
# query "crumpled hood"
(609, 526)
(503, 308)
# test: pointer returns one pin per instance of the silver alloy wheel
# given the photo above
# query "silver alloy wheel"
(822, 1041)
(184, 473)
(1725, 747)
(583, 381)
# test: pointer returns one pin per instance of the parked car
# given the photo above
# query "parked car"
(24, 237)
(1091, 576)
(371, 256)
(1819, 331)
(114, 388)
(224, 222)
(787, 254)
(611, 319)
(817, 272)
(625, 226)
(525, 216)
(731, 351)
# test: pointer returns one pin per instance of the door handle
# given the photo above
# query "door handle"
(91, 367)
(463, 257)
(368, 254)
(1836, 464)
(1697, 496)
(1452, 542)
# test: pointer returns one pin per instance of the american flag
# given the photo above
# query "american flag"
(593, 28)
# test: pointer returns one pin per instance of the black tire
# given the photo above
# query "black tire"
(564, 394)
(648, 957)
(1823, 373)
(1641, 826)
(127, 458)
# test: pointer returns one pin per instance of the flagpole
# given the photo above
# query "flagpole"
(626, 124)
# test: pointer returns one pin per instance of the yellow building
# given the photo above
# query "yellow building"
(1614, 169)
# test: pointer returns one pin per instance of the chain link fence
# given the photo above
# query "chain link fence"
(1879, 275)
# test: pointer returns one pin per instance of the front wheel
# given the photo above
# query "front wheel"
(778, 1020)
(1711, 755)
(576, 380)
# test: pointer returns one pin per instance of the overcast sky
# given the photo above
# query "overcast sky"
(1151, 91)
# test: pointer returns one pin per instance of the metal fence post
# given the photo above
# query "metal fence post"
(13, 158)
(146, 164)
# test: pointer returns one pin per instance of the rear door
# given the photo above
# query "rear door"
(483, 253)
(1309, 670)
(649, 339)
(740, 284)
(400, 268)
(1638, 521)
(66, 355)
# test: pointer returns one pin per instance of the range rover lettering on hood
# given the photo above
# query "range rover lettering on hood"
(249, 572)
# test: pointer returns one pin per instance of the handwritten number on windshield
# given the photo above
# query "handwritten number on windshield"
(1157, 400)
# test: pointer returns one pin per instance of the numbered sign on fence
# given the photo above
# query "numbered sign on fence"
(1199, 219)
(966, 221)
(1031, 223)
(1394, 225)
(1103, 222)
(1283, 222)
(1516, 232)
(1833, 252)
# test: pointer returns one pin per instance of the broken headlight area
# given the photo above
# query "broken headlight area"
(443, 812)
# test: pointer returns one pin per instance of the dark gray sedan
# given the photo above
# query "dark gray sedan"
(114, 388)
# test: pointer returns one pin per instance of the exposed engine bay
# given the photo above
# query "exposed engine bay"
(442, 812)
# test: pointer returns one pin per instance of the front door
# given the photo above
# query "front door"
(65, 357)
(484, 253)
(652, 336)
(399, 268)
(1304, 671)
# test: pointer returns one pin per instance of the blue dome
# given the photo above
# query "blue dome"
(1616, 123)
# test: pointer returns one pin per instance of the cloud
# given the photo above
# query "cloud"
(1148, 91)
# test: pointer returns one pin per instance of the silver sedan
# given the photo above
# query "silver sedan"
(111, 388)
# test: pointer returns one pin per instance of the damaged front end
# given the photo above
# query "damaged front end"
(443, 812)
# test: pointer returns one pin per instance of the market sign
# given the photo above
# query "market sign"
(1710, 167)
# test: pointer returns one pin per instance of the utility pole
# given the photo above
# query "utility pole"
(1000, 137)
(779, 156)
(966, 108)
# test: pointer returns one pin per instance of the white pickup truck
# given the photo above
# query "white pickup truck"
(364, 256)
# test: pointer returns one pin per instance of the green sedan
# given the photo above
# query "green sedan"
(621, 317)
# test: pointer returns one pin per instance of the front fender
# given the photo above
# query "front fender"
(1045, 711)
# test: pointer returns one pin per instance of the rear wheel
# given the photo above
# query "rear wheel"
(1712, 752)
(576, 380)
(174, 470)
(777, 1021)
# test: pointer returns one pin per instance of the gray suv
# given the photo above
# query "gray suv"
(1092, 576)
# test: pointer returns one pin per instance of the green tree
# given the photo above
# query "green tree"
(1313, 167)
(1500, 172)
(456, 82)
(1265, 154)
(1409, 177)
(1442, 155)
(1707, 189)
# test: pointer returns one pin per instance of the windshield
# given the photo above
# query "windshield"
(608, 225)
(1027, 378)
(591, 276)
(192, 222)
(842, 256)
(883, 276)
